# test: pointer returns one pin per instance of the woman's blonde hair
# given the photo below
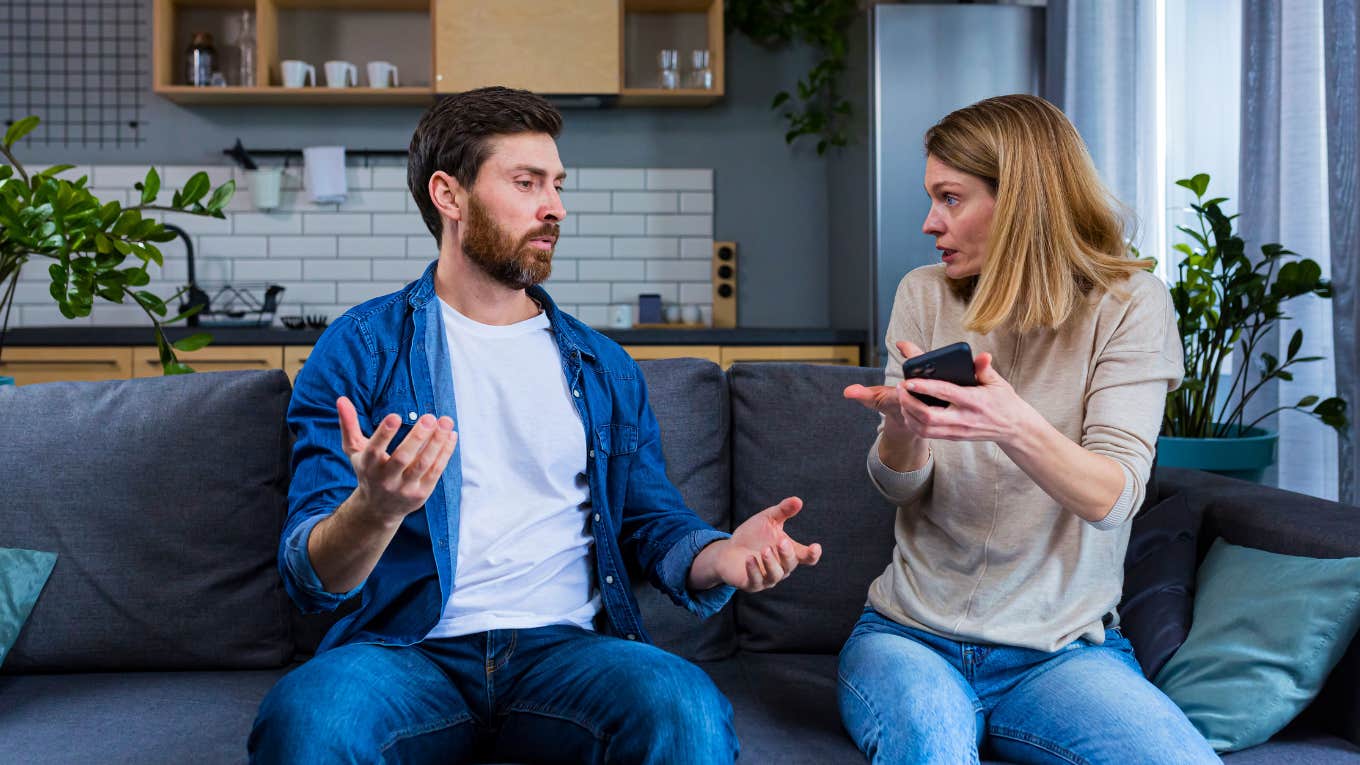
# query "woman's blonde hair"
(1056, 231)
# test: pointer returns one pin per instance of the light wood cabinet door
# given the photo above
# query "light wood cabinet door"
(294, 356)
(28, 365)
(539, 45)
(847, 355)
(146, 362)
(712, 353)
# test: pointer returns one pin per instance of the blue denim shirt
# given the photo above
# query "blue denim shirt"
(390, 355)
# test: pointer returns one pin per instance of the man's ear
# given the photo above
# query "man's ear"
(447, 195)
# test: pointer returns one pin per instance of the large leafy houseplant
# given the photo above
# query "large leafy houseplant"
(1225, 304)
(97, 249)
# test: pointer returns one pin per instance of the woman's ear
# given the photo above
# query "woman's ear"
(447, 195)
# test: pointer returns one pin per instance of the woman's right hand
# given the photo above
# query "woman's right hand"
(899, 428)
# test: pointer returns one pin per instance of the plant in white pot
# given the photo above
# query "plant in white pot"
(1225, 304)
(89, 242)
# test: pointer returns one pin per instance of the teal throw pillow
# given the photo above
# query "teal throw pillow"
(22, 576)
(1267, 630)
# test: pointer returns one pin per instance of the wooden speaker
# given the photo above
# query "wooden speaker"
(724, 284)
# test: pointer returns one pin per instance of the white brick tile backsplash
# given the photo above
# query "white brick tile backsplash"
(354, 293)
(267, 223)
(628, 231)
(579, 247)
(119, 176)
(390, 178)
(233, 246)
(680, 180)
(372, 246)
(646, 247)
(696, 203)
(578, 202)
(337, 270)
(404, 224)
(405, 270)
(645, 202)
(611, 225)
(627, 292)
(337, 223)
(611, 179)
(302, 246)
(699, 248)
(580, 292)
(611, 270)
(679, 225)
(268, 270)
(696, 293)
(678, 271)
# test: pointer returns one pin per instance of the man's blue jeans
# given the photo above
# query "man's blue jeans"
(550, 694)
(908, 696)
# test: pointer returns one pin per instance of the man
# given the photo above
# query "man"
(496, 618)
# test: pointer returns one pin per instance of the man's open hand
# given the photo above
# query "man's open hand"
(758, 556)
(397, 484)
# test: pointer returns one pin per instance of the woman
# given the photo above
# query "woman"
(995, 622)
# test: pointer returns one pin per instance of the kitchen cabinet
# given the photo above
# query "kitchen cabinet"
(146, 362)
(584, 47)
(847, 355)
(294, 356)
(712, 353)
(37, 364)
(545, 46)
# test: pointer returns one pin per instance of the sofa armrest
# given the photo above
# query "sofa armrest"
(1288, 523)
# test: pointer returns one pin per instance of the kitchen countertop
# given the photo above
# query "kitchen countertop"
(143, 335)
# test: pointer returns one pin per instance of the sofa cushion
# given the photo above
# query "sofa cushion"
(1268, 628)
(164, 499)
(1159, 581)
(794, 435)
(133, 717)
(689, 398)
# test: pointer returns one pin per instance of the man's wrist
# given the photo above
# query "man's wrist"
(360, 510)
(703, 572)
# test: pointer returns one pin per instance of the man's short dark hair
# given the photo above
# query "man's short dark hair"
(455, 136)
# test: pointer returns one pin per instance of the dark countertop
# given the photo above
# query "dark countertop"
(143, 335)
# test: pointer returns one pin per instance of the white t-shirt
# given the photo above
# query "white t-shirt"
(523, 556)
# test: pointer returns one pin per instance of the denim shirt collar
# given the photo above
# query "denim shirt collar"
(422, 290)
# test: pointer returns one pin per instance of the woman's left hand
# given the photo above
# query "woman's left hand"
(989, 411)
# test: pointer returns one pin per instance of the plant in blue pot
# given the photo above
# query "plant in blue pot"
(1226, 303)
(94, 249)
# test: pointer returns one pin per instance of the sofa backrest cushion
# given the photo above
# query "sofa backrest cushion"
(689, 398)
(1159, 580)
(164, 499)
(793, 434)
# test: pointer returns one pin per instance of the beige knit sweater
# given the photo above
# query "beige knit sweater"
(983, 554)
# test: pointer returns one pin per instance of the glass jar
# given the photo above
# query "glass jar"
(200, 60)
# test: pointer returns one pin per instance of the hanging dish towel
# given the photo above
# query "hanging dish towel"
(324, 172)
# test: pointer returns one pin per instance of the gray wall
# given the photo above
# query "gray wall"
(770, 198)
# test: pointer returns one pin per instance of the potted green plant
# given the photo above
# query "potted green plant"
(1225, 304)
(89, 242)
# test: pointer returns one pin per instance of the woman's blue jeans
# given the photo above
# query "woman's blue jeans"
(550, 694)
(908, 696)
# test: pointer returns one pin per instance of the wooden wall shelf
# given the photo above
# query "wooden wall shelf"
(275, 94)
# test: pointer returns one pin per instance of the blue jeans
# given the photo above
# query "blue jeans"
(908, 696)
(550, 694)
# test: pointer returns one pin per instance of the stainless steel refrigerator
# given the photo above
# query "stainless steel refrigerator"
(917, 63)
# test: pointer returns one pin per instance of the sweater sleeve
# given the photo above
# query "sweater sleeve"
(1134, 370)
(900, 488)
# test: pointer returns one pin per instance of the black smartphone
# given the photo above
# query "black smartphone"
(952, 363)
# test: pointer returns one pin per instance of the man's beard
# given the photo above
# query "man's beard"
(514, 263)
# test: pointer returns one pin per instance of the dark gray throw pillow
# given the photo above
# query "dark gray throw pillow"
(164, 499)
(1159, 581)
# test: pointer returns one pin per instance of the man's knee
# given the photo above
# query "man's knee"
(677, 705)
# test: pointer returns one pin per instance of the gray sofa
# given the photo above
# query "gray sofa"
(164, 622)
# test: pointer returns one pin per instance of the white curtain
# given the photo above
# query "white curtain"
(1284, 198)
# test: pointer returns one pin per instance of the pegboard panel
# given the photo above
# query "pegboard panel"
(79, 65)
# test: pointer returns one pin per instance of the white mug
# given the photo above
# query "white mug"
(690, 314)
(378, 72)
(264, 187)
(295, 73)
(621, 316)
(341, 74)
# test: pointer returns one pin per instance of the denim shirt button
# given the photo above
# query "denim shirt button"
(576, 393)
(631, 636)
(597, 518)
(591, 454)
(609, 580)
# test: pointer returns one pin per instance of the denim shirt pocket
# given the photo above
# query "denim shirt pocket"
(614, 439)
